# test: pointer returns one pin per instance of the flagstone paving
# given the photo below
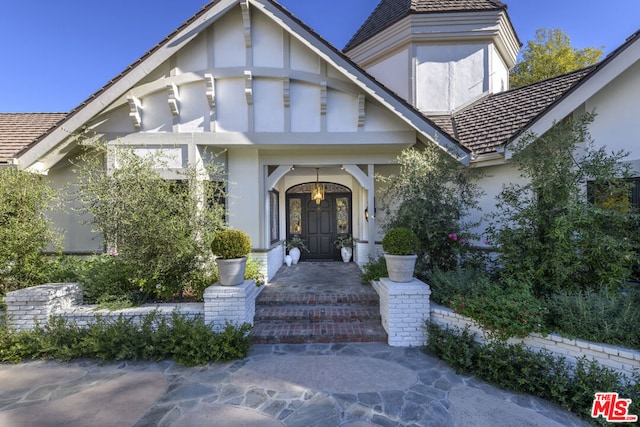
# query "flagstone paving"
(302, 385)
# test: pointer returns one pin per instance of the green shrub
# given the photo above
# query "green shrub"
(605, 316)
(188, 341)
(517, 368)
(374, 270)
(24, 229)
(400, 241)
(229, 244)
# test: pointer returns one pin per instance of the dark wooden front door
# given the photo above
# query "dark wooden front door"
(319, 225)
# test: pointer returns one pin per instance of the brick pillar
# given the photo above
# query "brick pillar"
(28, 306)
(230, 304)
(404, 308)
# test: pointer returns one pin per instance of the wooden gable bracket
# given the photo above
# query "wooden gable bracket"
(173, 98)
(246, 20)
(211, 90)
(248, 87)
(361, 110)
(134, 111)
(323, 98)
(286, 92)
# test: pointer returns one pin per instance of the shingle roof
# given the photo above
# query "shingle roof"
(18, 130)
(389, 11)
(496, 119)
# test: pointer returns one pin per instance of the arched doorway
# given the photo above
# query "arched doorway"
(319, 225)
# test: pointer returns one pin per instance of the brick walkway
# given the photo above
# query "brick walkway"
(318, 302)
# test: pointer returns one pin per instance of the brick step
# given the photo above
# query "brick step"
(275, 299)
(314, 314)
(319, 332)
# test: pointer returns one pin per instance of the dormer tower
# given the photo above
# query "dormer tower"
(439, 55)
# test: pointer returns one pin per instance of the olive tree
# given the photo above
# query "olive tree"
(549, 229)
(431, 194)
(160, 229)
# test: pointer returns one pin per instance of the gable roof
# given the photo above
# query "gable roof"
(390, 11)
(493, 121)
(18, 130)
(123, 82)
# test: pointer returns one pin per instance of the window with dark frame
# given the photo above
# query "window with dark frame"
(274, 216)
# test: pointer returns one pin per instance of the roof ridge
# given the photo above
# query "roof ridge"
(388, 12)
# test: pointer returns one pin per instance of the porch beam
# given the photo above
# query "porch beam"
(276, 175)
(360, 176)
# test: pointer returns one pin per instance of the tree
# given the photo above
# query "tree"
(548, 230)
(430, 195)
(550, 55)
(160, 229)
(24, 229)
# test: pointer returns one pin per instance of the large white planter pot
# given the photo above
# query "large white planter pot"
(288, 260)
(231, 271)
(295, 255)
(400, 267)
(346, 253)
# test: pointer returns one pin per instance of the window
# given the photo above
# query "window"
(342, 215)
(295, 216)
(616, 194)
(274, 212)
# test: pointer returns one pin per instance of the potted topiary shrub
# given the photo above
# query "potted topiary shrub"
(231, 248)
(400, 246)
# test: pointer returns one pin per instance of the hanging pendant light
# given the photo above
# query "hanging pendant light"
(317, 193)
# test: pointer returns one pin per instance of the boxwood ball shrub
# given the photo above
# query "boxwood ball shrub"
(400, 241)
(229, 244)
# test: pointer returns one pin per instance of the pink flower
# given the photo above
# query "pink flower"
(453, 236)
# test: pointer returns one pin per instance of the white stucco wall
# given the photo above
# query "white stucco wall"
(267, 42)
(617, 114)
(493, 181)
(245, 186)
(449, 76)
(394, 72)
(499, 73)
(228, 48)
(78, 236)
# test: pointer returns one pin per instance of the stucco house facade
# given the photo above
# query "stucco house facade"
(286, 109)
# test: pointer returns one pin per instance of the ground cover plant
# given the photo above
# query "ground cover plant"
(541, 374)
(606, 316)
(188, 341)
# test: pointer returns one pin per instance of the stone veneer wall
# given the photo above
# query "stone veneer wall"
(30, 306)
(621, 359)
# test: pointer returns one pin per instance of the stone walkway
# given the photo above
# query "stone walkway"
(354, 385)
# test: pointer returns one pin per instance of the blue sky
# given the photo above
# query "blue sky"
(55, 54)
